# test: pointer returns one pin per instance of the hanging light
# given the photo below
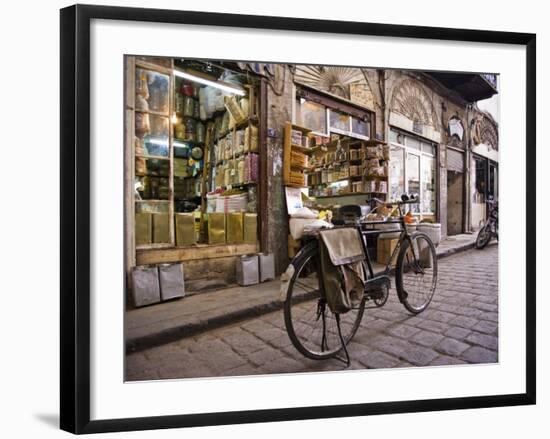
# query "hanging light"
(215, 84)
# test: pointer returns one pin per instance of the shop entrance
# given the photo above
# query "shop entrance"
(455, 202)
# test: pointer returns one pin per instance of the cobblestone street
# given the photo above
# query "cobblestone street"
(460, 326)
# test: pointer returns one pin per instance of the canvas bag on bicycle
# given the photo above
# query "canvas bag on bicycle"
(342, 272)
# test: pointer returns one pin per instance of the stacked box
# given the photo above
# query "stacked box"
(144, 228)
(185, 229)
(180, 167)
(250, 228)
(234, 228)
(145, 285)
(247, 270)
(161, 228)
(216, 228)
(171, 281)
(267, 266)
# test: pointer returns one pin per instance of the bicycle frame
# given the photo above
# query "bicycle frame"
(404, 235)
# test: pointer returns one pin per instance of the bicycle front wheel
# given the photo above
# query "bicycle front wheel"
(310, 324)
(416, 273)
(483, 236)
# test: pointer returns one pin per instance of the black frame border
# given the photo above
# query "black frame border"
(75, 217)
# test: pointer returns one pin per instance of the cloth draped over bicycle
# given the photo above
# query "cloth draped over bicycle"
(341, 261)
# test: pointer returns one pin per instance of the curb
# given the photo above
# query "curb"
(189, 329)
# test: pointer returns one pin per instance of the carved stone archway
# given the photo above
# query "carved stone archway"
(484, 130)
(346, 82)
(412, 101)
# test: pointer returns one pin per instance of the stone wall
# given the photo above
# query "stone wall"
(279, 111)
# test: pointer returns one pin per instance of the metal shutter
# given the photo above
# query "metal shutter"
(455, 160)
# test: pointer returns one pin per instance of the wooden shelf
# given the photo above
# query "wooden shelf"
(295, 185)
(151, 201)
(153, 157)
(302, 129)
(347, 194)
(154, 113)
(301, 167)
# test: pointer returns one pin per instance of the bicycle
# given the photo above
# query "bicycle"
(490, 228)
(319, 334)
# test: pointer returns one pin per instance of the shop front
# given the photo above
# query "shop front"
(483, 166)
(192, 174)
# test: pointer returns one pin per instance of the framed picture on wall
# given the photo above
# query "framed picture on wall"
(390, 285)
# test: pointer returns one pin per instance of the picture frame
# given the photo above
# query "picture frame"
(77, 211)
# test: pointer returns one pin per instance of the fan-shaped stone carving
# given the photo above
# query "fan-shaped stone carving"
(484, 131)
(347, 82)
(412, 101)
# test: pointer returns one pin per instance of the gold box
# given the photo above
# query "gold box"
(185, 229)
(144, 228)
(216, 228)
(384, 250)
(250, 232)
(161, 228)
(234, 228)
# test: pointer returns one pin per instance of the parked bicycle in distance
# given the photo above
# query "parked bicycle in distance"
(317, 332)
(490, 228)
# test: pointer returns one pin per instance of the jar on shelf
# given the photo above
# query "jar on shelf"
(179, 102)
(200, 132)
(188, 106)
(186, 88)
(190, 129)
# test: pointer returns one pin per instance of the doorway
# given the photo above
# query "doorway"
(455, 202)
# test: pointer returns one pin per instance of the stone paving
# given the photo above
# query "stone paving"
(170, 321)
(459, 327)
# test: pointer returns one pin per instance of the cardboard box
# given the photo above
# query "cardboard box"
(384, 250)
(161, 228)
(250, 232)
(185, 229)
(144, 228)
(234, 231)
(216, 228)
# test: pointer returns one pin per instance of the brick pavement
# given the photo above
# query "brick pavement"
(459, 327)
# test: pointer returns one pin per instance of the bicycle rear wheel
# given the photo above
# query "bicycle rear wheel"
(416, 273)
(310, 324)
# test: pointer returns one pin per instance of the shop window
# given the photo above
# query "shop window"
(411, 142)
(360, 127)
(413, 170)
(428, 184)
(492, 188)
(152, 162)
(413, 178)
(397, 175)
(480, 183)
(339, 121)
(196, 166)
(428, 148)
(311, 115)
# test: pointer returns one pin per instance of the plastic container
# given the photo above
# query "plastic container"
(267, 266)
(247, 270)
